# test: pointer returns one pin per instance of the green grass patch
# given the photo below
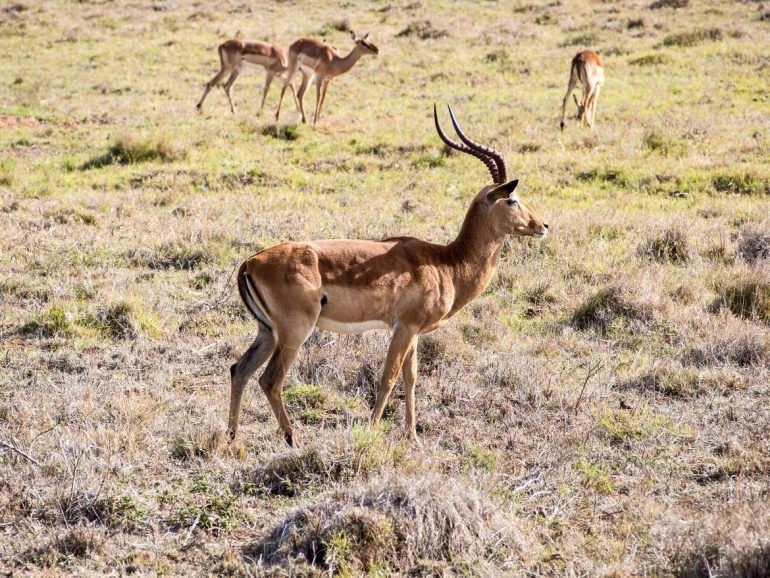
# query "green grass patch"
(129, 151)
(52, 323)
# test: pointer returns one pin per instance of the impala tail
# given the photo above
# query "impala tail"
(251, 298)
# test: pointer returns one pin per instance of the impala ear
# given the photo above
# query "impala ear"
(366, 36)
(502, 191)
(353, 35)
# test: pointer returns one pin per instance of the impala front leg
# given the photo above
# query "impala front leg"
(409, 371)
(403, 340)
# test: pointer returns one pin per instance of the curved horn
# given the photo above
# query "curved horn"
(491, 165)
(492, 153)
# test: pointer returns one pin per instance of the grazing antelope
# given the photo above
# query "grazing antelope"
(320, 62)
(403, 284)
(588, 70)
(233, 53)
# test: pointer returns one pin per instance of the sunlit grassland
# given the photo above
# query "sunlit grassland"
(607, 394)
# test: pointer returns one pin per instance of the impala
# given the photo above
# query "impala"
(403, 284)
(232, 55)
(588, 70)
(320, 62)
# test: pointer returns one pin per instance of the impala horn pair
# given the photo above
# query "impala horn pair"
(490, 157)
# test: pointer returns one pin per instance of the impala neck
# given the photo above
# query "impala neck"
(345, 63)
(476, 251)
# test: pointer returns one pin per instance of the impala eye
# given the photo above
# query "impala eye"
(513, 202)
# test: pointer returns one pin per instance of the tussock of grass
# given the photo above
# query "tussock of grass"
(693, 38)
(670, 245)
(113, 511)
(751, 350)
(658, 4)
(129, 151)
(649, 60)
(392, 523)
(611, 304)
(661, 143)
(7, 169)
(746, 296)
(171, 255)
(741, 184)
(76, 542)
(729, 542)
(53, 322)
(423, 29)
(285, 132)
(116, 321)
(754, 244)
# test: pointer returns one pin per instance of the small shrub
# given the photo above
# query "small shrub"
(670, 245)
(754, 244)
(128, 151)
(687, 39)
(424, 30)
(741, 184)
(649, 60)
(747, 296)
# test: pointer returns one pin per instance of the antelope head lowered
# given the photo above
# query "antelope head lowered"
(403, 284)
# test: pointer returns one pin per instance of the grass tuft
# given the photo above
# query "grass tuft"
(395, 522)
(746, 296)
(53, 322)
(608, 306)
(754, 244)
(669, 245)
(285, 132)
(693, 38)
(741, 184)
(424, 30)
(129, 151)
(654, 59)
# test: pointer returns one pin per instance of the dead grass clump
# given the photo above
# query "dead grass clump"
(611, 304)
(129, 151)
(669, 245)
(423, 29)
(746, 296)
(113, 511)
(754, 244)
(394, 523)
(204, 445)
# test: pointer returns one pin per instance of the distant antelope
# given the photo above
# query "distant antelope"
(588, 70)
(403, 284)
(321, 62)
(233, 53)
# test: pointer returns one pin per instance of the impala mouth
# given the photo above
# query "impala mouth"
(540, 234)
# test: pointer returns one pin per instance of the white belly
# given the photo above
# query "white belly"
(340, 327)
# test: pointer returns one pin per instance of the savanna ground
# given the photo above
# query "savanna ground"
(602, 408)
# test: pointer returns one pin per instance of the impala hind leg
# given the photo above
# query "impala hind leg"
(212, 83)
(271, 383)
(301, 95)
(573, 80)
(287, 83)
(256, 355)
(230, 81)
(409, 373)
(404, 339)
(595, 97)
(268, 82)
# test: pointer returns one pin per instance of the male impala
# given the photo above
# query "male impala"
(320, 62)
(588, 70)
(350, 286)
(233, 53)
